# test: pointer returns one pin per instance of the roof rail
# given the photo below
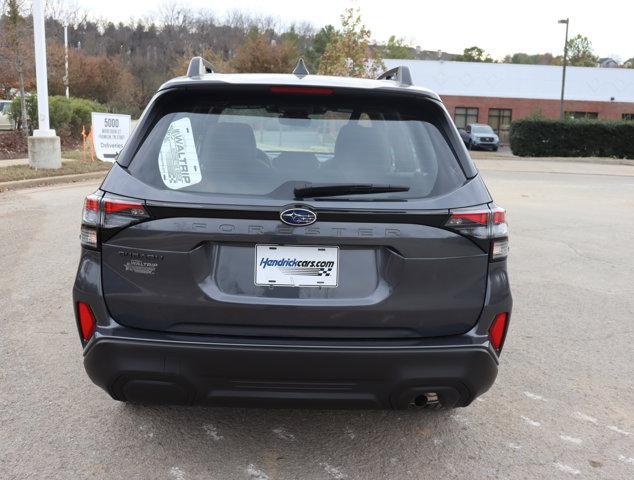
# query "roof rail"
(401, 74)
(300, 69)
(199, 66)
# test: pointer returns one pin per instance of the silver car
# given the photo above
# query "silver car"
(5, 121)
(479, 135)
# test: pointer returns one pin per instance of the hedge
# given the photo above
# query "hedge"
(572, 138)
(67, 115)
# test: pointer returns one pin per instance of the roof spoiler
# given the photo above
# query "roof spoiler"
(401, 74)
(199, 66)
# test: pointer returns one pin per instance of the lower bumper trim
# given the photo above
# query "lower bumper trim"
(247, 375)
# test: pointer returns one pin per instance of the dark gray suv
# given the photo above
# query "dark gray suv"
(293, 239)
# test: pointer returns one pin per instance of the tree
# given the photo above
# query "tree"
(535, 59)
(16, 41)
(349, 52)
(474, 54)
(580, 52)
(397, 48)
(260, 53)
(313, 53)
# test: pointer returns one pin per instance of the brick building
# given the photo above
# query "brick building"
(498, 93)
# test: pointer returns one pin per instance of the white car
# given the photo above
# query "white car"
(5, 121)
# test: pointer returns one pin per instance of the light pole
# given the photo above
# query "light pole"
(44, 145)
(563, 75)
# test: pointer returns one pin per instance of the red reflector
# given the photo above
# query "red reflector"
(114, 206)
(497, 331)
(304, 90)
(86, 320)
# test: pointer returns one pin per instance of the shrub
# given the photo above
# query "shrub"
(81, 113)
(534, 137)
(67, 115)
(16, 110)
(60, 111)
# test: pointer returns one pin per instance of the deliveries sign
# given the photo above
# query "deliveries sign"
(110, 133)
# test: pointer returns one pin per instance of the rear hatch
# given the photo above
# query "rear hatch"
(235, 239)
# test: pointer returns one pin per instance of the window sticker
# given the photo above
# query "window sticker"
(178, 160)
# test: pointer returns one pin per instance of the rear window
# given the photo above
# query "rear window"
(266, 145)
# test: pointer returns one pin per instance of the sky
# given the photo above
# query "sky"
(499, 26)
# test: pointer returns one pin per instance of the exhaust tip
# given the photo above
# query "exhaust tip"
(429, 397)
(425, 400)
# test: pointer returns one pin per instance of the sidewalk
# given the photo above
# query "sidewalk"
(544, 166)
(15, 161)
(23, 161)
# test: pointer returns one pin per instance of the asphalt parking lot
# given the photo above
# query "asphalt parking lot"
(562, 407)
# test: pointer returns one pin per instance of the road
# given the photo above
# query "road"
(562, 407)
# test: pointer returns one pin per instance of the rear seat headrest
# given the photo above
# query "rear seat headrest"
(361, 146)
(231, 143)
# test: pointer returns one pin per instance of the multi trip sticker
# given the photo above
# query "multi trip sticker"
(178, 160)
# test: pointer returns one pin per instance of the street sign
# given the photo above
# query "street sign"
(110, 132)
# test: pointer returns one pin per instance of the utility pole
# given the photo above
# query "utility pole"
(563, 75)
(44, 145)
(66, 77)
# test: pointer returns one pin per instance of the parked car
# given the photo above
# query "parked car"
(293, 239)
(478, 135)
(5, 120)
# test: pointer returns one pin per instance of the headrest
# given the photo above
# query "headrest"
(231, 143)
(361, 147)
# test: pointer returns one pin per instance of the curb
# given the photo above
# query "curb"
(593, 160)
(596, 161)
(45, 181)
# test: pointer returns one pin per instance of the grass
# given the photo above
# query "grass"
(25, 172)
(76, 154)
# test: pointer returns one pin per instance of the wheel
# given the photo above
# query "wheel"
(495, 149)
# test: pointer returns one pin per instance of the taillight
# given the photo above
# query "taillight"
(497, 332)
(121, 212)
(90, 220)
(499, 234)
(499, 215)
(487, 226)
(468, 219)
(104, 212)
(86, 320)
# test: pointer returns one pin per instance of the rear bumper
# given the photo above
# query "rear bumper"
(177, 372)
(149, 366)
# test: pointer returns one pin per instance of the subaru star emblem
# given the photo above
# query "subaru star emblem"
(298, 216)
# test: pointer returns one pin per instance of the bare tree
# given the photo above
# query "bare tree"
(66, 12)
(147, 51)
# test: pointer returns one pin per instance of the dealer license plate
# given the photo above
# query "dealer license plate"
(296, 266)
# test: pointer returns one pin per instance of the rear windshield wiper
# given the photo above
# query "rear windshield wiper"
(335, 189)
